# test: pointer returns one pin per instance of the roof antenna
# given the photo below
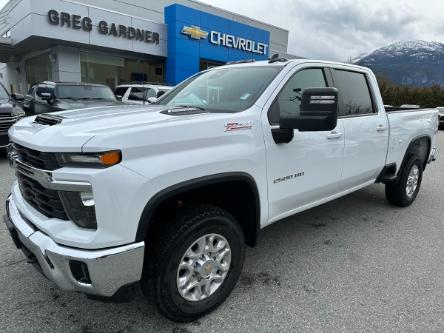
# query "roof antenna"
(275, 58)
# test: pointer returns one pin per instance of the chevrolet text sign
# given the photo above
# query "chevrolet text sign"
(227, 40)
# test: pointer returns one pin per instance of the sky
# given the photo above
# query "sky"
(343, 29)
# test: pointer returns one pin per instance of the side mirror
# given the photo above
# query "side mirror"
(119, 97)
(152, 100)
(318, 111)
(17, 97)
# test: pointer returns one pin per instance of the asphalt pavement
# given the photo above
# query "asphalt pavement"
(353, 265)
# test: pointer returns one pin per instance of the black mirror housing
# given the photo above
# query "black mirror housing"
(318, 111)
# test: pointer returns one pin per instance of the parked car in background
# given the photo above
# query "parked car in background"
(10, 113)
(441, 116)
(140, 93)
(51, 96)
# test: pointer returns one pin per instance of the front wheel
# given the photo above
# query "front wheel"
(404, 191)
(195, 263)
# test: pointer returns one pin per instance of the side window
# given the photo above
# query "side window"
(138, 94)
(288, 101)
(354, 93)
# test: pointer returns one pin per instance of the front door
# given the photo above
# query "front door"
(309, 168)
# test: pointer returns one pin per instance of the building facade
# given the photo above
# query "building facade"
(116, 42)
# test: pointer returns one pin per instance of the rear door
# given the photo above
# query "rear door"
(365, 128)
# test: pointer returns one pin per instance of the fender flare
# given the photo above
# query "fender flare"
(169, 192)
(411, 149)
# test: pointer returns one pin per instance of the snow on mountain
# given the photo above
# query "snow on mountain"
(414, 63)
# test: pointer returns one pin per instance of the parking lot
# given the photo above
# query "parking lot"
(355, 264)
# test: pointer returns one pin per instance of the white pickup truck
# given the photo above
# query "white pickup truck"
(169, 195)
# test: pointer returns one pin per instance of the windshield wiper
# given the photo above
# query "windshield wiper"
(190, 107)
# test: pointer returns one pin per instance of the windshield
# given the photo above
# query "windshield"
(84, 92)
(231, 89)
(4, 96)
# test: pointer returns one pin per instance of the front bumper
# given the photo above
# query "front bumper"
(102, 272)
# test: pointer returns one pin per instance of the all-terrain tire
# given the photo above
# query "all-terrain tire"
(159, 280)
(397, 193)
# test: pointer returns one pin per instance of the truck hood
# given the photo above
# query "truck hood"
(77, 127)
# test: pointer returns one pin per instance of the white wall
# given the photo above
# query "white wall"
(12, 77)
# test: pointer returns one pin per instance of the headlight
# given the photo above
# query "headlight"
(80, 208)
(101, 160)
(18, 112)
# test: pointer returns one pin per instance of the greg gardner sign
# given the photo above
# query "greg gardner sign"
(77, 22)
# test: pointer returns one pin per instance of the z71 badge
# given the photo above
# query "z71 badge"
(229, 127)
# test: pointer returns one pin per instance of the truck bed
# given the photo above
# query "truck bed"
(406, 125)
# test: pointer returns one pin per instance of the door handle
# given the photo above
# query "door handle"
(381, 128)
(334, 135)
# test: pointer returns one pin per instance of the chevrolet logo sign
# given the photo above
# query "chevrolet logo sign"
(195, 32)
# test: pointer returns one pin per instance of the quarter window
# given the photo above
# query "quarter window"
(354, 93)
(288, 101)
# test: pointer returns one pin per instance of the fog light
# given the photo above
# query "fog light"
(80, 271)
(80, 208)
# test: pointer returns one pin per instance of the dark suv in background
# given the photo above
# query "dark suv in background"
(51, 96)
(10, 112)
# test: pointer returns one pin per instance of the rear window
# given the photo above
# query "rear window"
(354, 93)
(44, 89)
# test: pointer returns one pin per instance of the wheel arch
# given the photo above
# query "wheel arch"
(419, 146)
(247, 214)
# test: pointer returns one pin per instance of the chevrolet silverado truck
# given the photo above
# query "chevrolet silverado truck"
(169, 195)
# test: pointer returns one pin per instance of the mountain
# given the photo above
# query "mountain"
(413, 63)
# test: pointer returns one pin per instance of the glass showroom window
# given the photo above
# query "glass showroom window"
(38, 69)
(115, 70)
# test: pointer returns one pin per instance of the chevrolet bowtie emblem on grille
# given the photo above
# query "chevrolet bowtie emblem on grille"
(195, 32)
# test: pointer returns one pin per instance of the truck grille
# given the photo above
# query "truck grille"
(42, 199)
(37, 159)
(6, 121)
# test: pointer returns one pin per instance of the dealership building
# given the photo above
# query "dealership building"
(120, 41)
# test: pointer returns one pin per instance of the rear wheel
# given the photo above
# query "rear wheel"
(195, 263)
(404, 191)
